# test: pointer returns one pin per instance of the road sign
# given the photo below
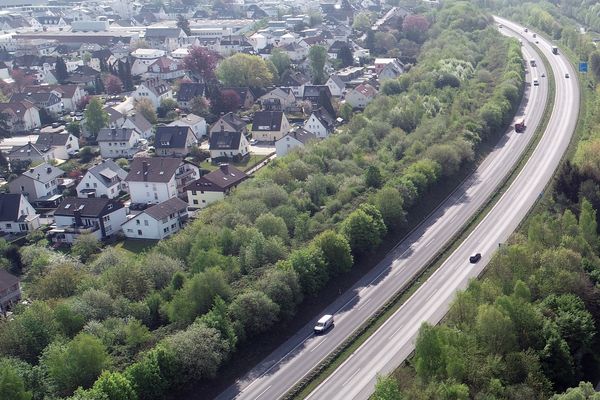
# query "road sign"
(583, 67)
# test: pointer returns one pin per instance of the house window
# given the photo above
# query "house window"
(145, 222)
(9, 225)
(137, 221)
(194, 192)
(166, 230)
(140, 232)
(173, 226)
(195, 201)
(129, 230)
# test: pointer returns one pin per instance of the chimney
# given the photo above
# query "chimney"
(224, 167)
(145, 170)
(31, 170)
(49, 169)
(77, 216)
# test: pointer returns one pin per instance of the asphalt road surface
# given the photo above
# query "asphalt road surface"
(394, 341)
(300, 354)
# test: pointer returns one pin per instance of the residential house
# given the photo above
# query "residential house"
(97, 216)
(154, 90)
(140, 124)
(229, 123)
(226, 145)
(22, 116)
(296, 138)
(165, 38)
(70, 95)
(335, 47)
(106, 179)
(10, 291)
(381, 63)
(174, 141)
(194, 122)
(282, 96)
(269, 126)
(320, 123)
(37, 183)
(336, 85)
(17, 215)
(188, 91)
(361, 95)
(165, 68)
(319, 96)
(295, 51)
(29, 153)
(295, 80)
(158, 221)
(143, 58)
(390, 70)
(214, 186)
(63, 145)
(49, 102)
(117, 143)
(152, 180)
(116, 119)
(247, 97)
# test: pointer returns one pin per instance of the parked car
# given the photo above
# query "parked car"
(474, 259)
(253, 142)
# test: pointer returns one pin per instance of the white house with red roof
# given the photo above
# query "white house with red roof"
(165, 68)
(361, 96)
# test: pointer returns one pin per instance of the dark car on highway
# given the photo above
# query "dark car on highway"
(475, 258)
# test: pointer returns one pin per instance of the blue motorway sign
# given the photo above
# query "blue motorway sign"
(583, 66)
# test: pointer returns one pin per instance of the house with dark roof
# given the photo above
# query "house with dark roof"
(63, 145)
(175, 141)
(22, 116)
(214, 186)
(165, 37)
(296, 138)
(319, 96)
(155, 90)
(152, 180)
(269, 126)
(226, 145)
(106, 179)
(17, 215)
(157, 221)
(282, 96)
(196, 123)
(97, 216)
(47, 101)
(10, 291)
(320, 123)
(336, 85)
(295, 80)
(188, 91)
(37, 183)
(118, 143)
(229, 123)
(29, 153)
(70, 95)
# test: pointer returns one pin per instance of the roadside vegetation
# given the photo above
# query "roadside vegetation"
(528, 329)
(114, 325)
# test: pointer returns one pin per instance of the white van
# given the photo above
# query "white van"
(324, 323)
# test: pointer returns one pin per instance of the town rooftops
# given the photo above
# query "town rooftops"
(87, 207)
(28, 150)
(153, 169)
(157, 86)
(140, 122)
(225, 140)
(166, 208)
(44, 173)
(366, 90)
(301, 135)
(267, 121)
(171, 137)
(9, 206)
(218, 180)
(114, 134)
(233, 120)
(189, 90)
(47, 140)
(107, 171)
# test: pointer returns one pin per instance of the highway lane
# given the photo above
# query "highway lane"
(394, 341)
(292, 361)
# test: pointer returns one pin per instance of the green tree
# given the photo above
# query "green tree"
(184, 24)
(95, 116)
(283, 287)
(364, 228)
(74, 128)
(146, 108)
(115, 386)
(196, 296)
(363, 21)
(344, 55)
(85, 246)
(429, 354)
(587, 223)
(76, 363)
(336, 252)
(595, 64)
(387, 388)
(61, 281)
(281, 60)
(585, 391)
(318, 57)
(373, 177)
(219, 319)
(390, 204)
(253, 312)
(495, 330)
(244, 70)
(11, 385)
(270, 225)
(309, 264)
(61, 70)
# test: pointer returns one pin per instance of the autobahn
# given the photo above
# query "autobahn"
(394, 341)
(300, 354)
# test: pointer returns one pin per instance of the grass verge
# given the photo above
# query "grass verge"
(334, 360)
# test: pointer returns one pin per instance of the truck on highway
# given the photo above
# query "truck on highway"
(554, 50)
(520, 125)
(532, 62)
